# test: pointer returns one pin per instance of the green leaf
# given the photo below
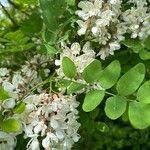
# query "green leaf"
(50, 49)
(92, 72)
(134, 44)
(115, 107)
(71, 2)
(49, 37)
(28, 1)
(147, 43)
(110, 75)
(11, 125)
(144, 54)
(33, 24)
(139, 114)
(15, 36)
(52, 12)
(75, 87)
(64, 82)
(28, 46)
(131, 80)
(19, 108)
(69, 67)
(143, 94)
(92, 100)
(3, 94)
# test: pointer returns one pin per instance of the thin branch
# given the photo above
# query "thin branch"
(8, 15)
(13, 4)
(17, 7)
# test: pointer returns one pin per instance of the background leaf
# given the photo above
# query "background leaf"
(145, 55)
(33, 24)
(147, 43)
(52, 12)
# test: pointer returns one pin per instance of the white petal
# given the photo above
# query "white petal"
(76, 137)
(75, 48)
(60, 135)
(52, 136)
(54, 124)
(46, 142)
(35, 145)
(17, 79)
(57, 62)
(3, 72)
(9, 103)
(82, 31)
(8, 86)
(38, 128)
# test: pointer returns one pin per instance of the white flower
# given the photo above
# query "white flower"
(12, 90)
(9, 141)
(40, 127)
(83, 27)
(17, 80)
(95, 31)
(3, 72)
(114, 46)
(104, 52)
(33, 144)
(9, 103)
(57, 62)
(75, 48)
(89, 9)
(46, 142)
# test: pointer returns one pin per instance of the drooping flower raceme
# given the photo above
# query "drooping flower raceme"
(137, 19)
(53, 119)
(106, 22)
(100, 22)
(14, 86)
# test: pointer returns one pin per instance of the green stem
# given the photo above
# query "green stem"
(110, 93)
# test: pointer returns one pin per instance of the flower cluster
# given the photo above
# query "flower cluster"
(18, 84)
(137, 19)
(52, 118)
(106, 22)
(15, 85)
